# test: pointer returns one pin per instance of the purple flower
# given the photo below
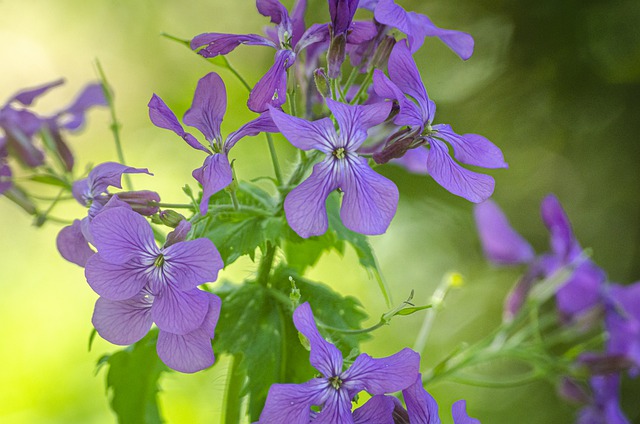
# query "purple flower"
(605, 406)
(504, 246)
(206, 113)
(140, 284)
(404, 85)
(333, 391)
(341, 12)
(622, 320)
(370, 200)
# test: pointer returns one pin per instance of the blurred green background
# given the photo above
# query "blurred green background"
(555, 84)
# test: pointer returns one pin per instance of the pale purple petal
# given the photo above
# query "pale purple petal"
(161, 116)
(377, 410)
(305, 206)
(191, 263)
(459, 181)
(306, 135)
(26, 97)
(72, 245)
(460, 42)
(221, 44)
(316, 33)
(208, 106)
(291, 403)
(421, 406)
(74, 115)
(263, 123)
(324, 356)
(355, 120)
(563, 241)
(214, 175)
(179, 234)
(410, 113)
(370, 200)
(297, 20)
(107, 174)
(405, 74)
(368, 4)
(271, 90)
(500, 242)
(115, 281)
(472, 149)
(582, 290)
(459, 412)
(361, 31)
(414, 160)
(177, 311)
(382, 375)
(341, 12)
(336, 409)
(123, 322)
(120, 235)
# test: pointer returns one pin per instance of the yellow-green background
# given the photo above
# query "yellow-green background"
(554, 83)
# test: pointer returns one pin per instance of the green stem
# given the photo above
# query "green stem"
(232, 399)
(347, 331)
(235, 72)
(171, 205)
(274, 158)
(266, 262)
(350, 80)
(115, 126)
(363, 87)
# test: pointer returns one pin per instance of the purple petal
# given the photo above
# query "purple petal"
(500, 242)
(472, 149)
(410, 114)
(459, 181)
(72, 245)
(208, 106)
(271, 90)
(191, 352)
(324, 356)
(368, 4)
(191, 263)
(273, 9)
(5, 177)
(341, 12)
(520, 292)
(355, 120)
(361, 31)
(143, 202)
(20, 128)
(179, 234)
(26, 97)
(336, 409)
(221, 44)
(161, 116)
(123, 322)
(459, 411)
(214, 175)
(263, 123)
(108, 174)
(405, 74)
(414, 160)
(421, 406)
(297, 20)
(304, 134)
(382, 375)
(305, 205)
(377, 410)
(460, 42)
(61, 147)
(563, 241)
(120, 235)
(115, 281)
(177, 311)
(74, 115)
(291, 403)
(582, 290)
(370, 200)
(316, 33)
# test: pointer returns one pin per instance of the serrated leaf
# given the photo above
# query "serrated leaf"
(132, 381)
(304, 253)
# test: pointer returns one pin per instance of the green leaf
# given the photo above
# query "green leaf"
(132, 381)
(304, 253)
(412, 310)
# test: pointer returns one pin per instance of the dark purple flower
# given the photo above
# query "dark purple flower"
(405, 86)
(605, 407)
(342, 12)
(206, 113)
(622, 320)
(370, 200)
(334, 390)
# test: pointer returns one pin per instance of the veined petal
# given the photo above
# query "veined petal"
(414, 160)
(161, 116)
(355, 120)
(342, 12)
(305, 205)
(303, 134)
(297, 20)
(336, 409)
(271, 90)
(191, 263)
(291, 403)
(273, 9)
(459, 181)
(382, 375)
(109, 174)
(221, 44)
(563, 242)
(370, 200)
(459, 412)
(421, 406)
(179, 312)
(123, 322)
(460, 42)
(377, 410)
(115, 281)
(27, 97)
(208, 106)
(179, 234)
(316, 33)
(361, 31)
(214, 175)
(405, 74)
(324, 356)
(120, 234)
(74, 114)
(72, 245)
(500, 242)
(263, 123)
(472, 149)
(410, 114)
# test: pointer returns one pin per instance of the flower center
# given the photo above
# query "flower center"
(159, 261)
(339, 153)
(335, 382)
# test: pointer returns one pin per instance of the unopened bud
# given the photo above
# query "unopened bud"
(144, 201)
(600, 364)
(381, 56)
(322, 82)
(336, 55)
(572, 392)
(170, 218)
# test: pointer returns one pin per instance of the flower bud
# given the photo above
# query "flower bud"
(171, 218)
(381, 56)
(322, 82)
(336, 55)
(599, 364)
(572, 392)
(142, 201)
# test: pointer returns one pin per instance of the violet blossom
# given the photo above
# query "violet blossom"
(404, 85)
(370, 200)
(622, 321)
(206, 114)
(334, 390)
(140, 284)
(605, 405)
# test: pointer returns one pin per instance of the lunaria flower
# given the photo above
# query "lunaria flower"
(140, 284)
(334, 390)
(206, 113)
(417, 111)
(369, 201)
(504, 246)
(622, 321)
(604, 407)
